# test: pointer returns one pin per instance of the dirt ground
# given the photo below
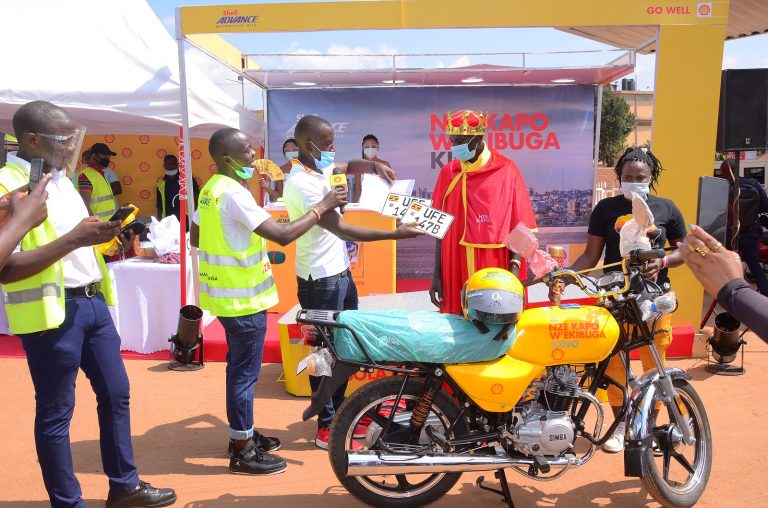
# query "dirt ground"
(180, 439)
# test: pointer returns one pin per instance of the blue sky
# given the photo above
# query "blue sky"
(742, 53)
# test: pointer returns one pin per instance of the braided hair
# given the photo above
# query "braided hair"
(643, 155)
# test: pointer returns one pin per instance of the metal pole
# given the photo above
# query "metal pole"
(185, 177)
(596, 147)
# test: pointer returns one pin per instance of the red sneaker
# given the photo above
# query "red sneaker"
(361, 429)
(321, 440)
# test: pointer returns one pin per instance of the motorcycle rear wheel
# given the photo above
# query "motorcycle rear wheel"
(377, 399)
(691, 464)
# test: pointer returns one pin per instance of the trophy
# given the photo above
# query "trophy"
(558, 254)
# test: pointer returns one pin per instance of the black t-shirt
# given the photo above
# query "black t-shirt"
(603, 223)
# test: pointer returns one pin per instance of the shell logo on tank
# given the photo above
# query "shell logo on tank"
(127, 180)
(197, 154)
(161, 153)
(557, 354)
(497, 388)
(704, 10)
(144, 194)
(126, 152)
(143, 139)
(109, 138)
(144, 167)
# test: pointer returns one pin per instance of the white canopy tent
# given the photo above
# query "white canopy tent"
(112, 65)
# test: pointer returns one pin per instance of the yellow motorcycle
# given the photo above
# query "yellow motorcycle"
(525, 398)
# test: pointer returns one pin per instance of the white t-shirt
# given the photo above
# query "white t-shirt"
(65, 211)
(319, 252)
(240, 215)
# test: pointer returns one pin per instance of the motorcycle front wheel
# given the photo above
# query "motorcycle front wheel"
(676, 474)
(358, 424)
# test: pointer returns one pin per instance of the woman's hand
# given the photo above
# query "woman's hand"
(710, 262)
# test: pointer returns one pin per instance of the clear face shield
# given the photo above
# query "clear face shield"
(62, 150)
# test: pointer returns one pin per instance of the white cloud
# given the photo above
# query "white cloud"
(170, 23)
(462, 61)
(337, 56)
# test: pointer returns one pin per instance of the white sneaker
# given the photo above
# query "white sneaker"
(615, 443)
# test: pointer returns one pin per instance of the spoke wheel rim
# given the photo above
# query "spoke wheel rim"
(402, 488)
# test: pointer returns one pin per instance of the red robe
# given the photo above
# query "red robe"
(487, 203)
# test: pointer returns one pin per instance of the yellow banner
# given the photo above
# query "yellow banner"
(395, 14)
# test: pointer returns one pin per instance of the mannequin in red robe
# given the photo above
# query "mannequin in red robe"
(486, 194)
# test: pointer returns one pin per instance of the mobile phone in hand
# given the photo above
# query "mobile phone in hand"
(35, 173)
(122, 213)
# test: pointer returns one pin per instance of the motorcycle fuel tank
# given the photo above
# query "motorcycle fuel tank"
(566, 334)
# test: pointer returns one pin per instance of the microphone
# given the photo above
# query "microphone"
(338, 179)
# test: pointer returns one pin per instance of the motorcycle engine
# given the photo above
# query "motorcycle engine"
(545, 427)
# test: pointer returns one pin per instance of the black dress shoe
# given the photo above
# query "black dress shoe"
(144, 495)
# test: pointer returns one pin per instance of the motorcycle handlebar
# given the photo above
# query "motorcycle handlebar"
(642, 256)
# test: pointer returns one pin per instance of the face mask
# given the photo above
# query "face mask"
(642, 188)
(104, 163)
(172, 172)
(244, 172)
(462, 152)
(371, 152)
(292, 155)
(326, 158)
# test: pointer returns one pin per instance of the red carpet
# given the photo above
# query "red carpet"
(215, 345)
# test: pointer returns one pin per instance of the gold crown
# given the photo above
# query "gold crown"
(463, 123)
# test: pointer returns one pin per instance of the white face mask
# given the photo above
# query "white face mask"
(642, 188)
(371, 152)
(171, 172)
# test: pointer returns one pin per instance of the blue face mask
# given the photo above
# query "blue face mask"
(244, 172)
(462, 152)
(641, 188)
(292, 155)
(326, 159)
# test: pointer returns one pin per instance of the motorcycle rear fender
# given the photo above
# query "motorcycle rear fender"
(328, 386)
(639, 414)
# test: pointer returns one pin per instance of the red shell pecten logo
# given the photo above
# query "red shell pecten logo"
(143, 139)
(144, 167)
(557, 354)
(704, 10)
(161, 153)
(126, 152)
(109, 138)
(127, 180)
(497, 388)
(197, 154)
(212, 169)
(144, 194)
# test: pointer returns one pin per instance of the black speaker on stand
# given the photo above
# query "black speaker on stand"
(743, 120)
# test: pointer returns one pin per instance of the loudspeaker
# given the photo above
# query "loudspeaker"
(743, 119)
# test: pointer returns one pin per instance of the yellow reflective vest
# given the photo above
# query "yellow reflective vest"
(36, 303)
(231, 283)
(103, 202)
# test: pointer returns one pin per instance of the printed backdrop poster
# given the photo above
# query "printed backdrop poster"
(546, 130)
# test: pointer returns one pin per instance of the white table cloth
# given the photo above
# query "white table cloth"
(148, 303)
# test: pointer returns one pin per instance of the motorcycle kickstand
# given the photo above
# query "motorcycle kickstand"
(504, 491)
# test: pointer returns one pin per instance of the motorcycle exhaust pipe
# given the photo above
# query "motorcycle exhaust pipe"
(367, 463)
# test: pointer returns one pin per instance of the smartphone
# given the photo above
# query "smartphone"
(135, 226)
(122, 213)
(712, 212)
(35, 173)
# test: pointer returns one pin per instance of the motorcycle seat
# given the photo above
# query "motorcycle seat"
(417, 336)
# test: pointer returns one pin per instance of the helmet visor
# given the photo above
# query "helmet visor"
(62, 150)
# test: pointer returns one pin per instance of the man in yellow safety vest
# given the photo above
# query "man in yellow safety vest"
(236, 284)
(93, 186)
(56, 294)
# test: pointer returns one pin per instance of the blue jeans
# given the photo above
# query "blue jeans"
(245, 342)
(337, 292)
(88, 340)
